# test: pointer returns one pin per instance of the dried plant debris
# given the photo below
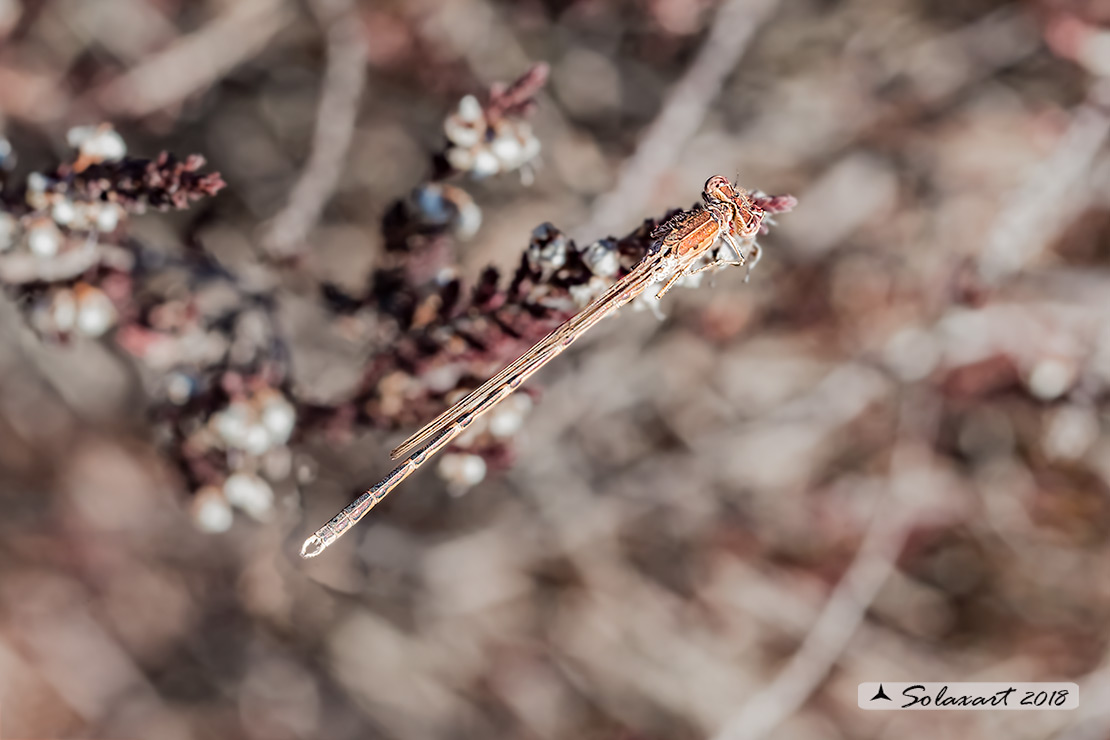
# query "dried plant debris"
(64, 251)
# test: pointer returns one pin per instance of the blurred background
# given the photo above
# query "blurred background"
(885, 457)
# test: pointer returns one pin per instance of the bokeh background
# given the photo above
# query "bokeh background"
(883, 458)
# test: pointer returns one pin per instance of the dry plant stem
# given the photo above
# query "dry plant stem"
(196, 61)
(1048, 199)
(683, 111)
(335, 123)
(843, 613)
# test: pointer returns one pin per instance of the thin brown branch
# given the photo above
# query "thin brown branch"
(195, 61)
(844, 612)
(1050, 196)
(335, 124)
(683, 111)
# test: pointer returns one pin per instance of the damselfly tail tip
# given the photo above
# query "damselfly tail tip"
(312, 547)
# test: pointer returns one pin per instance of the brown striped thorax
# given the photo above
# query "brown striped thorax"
(726, 213)
(747, 217)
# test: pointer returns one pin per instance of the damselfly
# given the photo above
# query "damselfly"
(682, 246)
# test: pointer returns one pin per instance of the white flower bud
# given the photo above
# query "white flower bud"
(1070, 432)
(470, 110)
(98, 143)
(62, 311)
(179, 388)
(257, 439)
(508, 416)
(37, 182)
(232, 424)
(485, 164)
(1051, 378)
(507, 148)
(95, 312)
(530, 145)
(460, 160)
(78, 135)
(468, 221)
(461, 133)
(36, 191)
(461, 471)
(278, 417)
(211, 512)
(108, 217)
(603, 259)
(63, 212)
(250, 493)
(44, 240)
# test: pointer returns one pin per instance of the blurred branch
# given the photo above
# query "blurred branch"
(845, 610)
(682, 113)
(197, 60)
(842, 615)
(335, 122)
(30, 94)
(1038, 209)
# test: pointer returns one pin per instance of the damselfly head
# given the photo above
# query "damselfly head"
(746, 217)
(718, 187)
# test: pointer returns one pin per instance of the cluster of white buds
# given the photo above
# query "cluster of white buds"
(604, 262)
(550, 252)
(251, 493)
(255, 424)
(57, 221)
(547, 251)
(95, 144)
(51, 203)
(247, 491)
(483, 147)
(82, 309)
(463, 470)
(252, 431)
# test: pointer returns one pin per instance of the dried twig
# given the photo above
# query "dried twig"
(335, 123)
(1046, 201)
(843, 614)
(682, 113)
(195, 61)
